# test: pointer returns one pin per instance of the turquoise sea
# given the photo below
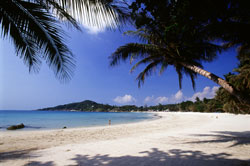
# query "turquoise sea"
(43, 120)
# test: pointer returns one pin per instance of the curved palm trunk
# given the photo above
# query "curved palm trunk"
(223, 83)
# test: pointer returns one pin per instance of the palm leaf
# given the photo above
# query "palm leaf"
(149, 59)
(146, 72)
(95, 13)
(42, 34)
(33, 26)
(134, 50)
(140, 34)
(154, 51)
(24, 46)
(61, 13)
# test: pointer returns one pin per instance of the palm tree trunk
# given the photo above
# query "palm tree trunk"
(223, 83)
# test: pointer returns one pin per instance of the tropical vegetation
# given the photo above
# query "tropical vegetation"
(185, 33)
(240, 80)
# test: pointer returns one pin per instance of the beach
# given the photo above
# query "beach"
(173, 139)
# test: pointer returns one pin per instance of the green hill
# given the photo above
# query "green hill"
(89, 105)
(86, 105)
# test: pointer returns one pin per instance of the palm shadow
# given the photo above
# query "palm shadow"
(37, 163)
(155, 157)
(237, 138)
(12, 155)
(23, 154)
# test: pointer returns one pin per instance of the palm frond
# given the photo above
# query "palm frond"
(41, 36)
(145, 60)
(140, 34)
(192, 77)
(33, 26)
(25, 47)
(190, 74)
(244, 53)
(60, 12)
(145, 36)
(180, 76)
(49, 37)
(163, 67)
(146, 72)
(93, 12)
(175, 54)
(132, 49)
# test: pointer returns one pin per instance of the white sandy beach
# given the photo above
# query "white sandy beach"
(197, 139)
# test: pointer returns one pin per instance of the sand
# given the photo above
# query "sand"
(175, 139)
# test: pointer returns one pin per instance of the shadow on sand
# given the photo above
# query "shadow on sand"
(12, 155)
(237, 138)
(37, 163)
(174, 157)
(154, 157)
(23, 154)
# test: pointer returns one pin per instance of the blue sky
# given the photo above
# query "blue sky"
(93, 78)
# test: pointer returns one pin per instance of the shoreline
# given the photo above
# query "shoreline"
(13, 132)
(197, 134)
(55, 132)
(154, 116)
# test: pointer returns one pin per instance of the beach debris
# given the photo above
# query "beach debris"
(64, 127)
(15, 127)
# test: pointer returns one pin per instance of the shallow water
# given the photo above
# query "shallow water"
(37, 120)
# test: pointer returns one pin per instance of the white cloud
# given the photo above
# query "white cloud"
(124, 99)
(164, 100)
(148, 99)
(178, 95)
(214, 90)
(93, 30)
(158, 100)
(161, 100)
(206, 93)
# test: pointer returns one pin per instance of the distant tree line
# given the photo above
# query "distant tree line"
(205, 105)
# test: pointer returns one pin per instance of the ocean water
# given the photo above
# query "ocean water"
(43, 120)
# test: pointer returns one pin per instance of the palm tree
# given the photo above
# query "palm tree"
(240, 80)
(185, 57)
(35, 31)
